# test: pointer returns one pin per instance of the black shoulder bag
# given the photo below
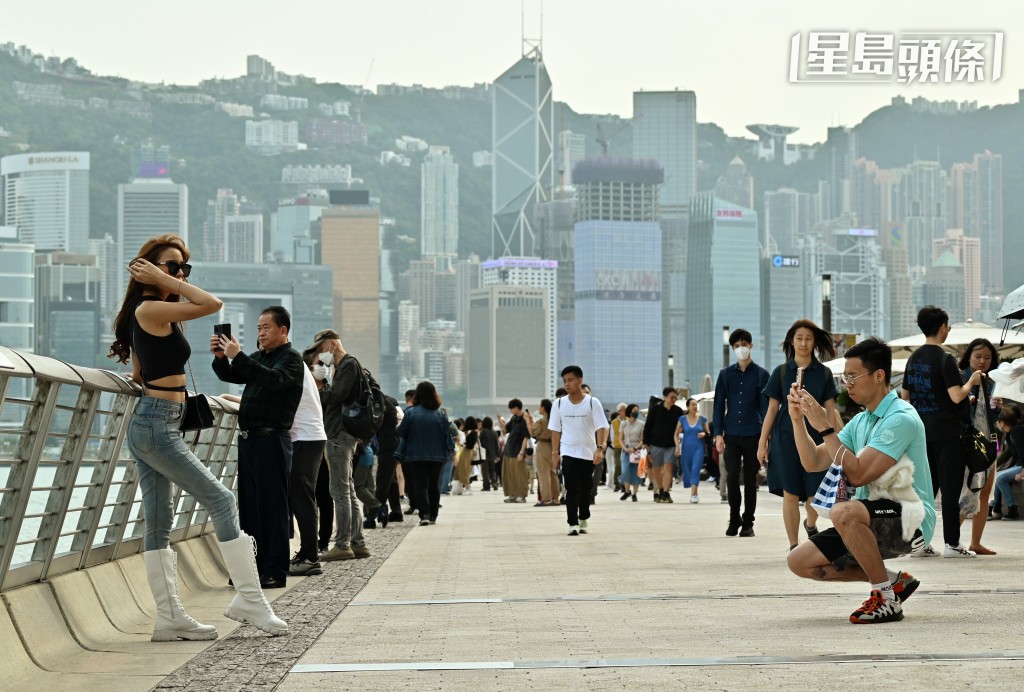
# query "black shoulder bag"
(198, 415)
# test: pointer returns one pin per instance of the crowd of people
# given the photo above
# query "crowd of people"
(322, 449)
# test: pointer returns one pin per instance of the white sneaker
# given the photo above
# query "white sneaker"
(927, 551)
(694, 499)
(958, 551)
(583, 525)
(574, 530)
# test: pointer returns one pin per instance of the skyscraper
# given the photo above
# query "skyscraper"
(782, 220)
(572, 148)
(966, 251)
(243, 238)
(556, 224)
(990, 222)
(840, 153)
(736, 185)
(723, 282)
(68, 307)
(439, 203)
(665, 130)
(618, 278)
(149, 207)
(108, 261)
(46, 197)
(505, 324)
(530, 272)
(226, 204)
(523, 173)
(350, 245)
(919, 204)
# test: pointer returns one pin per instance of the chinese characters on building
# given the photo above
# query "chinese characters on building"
(907, 58)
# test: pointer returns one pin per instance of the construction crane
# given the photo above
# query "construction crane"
(604, 140)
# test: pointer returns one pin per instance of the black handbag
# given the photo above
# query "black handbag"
(198, 415)
(977, 449)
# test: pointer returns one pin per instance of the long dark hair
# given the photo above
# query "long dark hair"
(965, 360)
(121, 348)
(823, 345)
(426, 396)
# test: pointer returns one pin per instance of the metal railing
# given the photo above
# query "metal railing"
(69, 491)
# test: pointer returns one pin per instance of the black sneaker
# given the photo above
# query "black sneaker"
(747, 532)
(300, 567)
(625, 496)
(666, 497)
(733, 529)
(369, 523)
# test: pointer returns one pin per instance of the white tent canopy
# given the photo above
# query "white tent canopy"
(962, 334)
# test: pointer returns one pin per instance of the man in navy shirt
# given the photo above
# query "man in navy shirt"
(739, 410)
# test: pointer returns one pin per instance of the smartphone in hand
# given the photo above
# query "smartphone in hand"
(222, 330)
(799, 378)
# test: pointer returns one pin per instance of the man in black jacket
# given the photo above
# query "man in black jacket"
(341, 446)
(659, 438)
(273, 378)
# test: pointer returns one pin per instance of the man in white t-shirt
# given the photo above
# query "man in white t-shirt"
(579, 430)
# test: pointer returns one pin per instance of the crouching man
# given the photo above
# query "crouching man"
(883, 453)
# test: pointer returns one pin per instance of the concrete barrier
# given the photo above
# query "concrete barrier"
(118, 601)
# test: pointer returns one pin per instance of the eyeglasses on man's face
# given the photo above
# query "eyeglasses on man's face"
(850, 379)
(174, 267)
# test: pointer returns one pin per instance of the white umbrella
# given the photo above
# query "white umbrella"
(962, 334)
(899, 365)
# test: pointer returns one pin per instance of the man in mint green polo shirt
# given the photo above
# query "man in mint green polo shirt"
(867, 529)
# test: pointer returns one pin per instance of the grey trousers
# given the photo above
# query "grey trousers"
(348, 517)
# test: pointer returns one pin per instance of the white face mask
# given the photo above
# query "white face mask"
(320, 372)
(326, 357)
(742, 352)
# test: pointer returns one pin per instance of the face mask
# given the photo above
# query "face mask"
(319, 372)
(326, 357)
(634, 414)
(742, 352)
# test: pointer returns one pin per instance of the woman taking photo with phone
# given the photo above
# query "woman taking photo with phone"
(806, 345)
(148, 332)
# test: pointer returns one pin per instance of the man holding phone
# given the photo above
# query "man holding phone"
(273, 378)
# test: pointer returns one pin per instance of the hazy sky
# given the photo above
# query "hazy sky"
(735, 55)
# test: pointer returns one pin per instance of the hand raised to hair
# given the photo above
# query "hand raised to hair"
(145, 272)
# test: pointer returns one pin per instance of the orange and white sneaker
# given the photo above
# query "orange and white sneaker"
(877, 609)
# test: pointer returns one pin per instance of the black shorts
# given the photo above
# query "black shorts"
(886, 524)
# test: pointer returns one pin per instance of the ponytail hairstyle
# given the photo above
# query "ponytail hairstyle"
(121, 348)
(823, 346)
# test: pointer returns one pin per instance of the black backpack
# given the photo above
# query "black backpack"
(363, 417)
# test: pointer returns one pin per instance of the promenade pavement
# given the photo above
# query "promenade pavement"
(655, 595)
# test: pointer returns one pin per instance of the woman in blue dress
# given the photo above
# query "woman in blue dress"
(692, 429)
(806, 345)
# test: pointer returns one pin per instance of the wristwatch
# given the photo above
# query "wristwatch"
(827, 431)
(600, 446)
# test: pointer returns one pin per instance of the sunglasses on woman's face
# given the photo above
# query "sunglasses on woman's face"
(174, 267)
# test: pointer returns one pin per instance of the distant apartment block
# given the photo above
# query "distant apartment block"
(334, 132)
(272, 137)
(482, 159)
(390, 157)
(410, 144)
(279, 102)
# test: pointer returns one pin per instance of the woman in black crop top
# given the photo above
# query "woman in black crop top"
(148, 331)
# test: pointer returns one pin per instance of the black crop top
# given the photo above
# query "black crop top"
(159, 356)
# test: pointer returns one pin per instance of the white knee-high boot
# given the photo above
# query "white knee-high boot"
(249, 604)
(172, 622)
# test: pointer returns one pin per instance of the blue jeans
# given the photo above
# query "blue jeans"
(162, 458)
(1004, 487)
(445, 482)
